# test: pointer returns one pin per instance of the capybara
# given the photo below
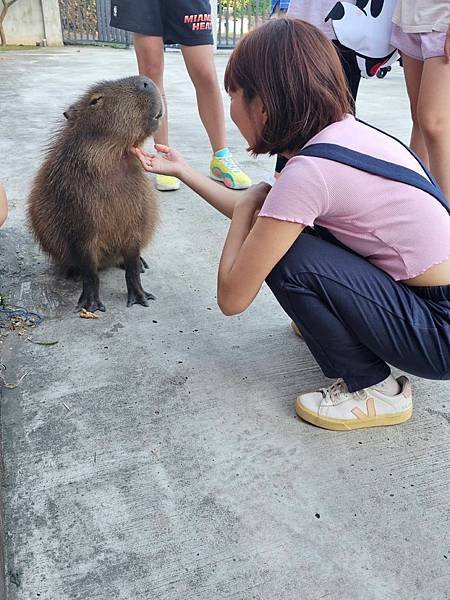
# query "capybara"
(91, 204)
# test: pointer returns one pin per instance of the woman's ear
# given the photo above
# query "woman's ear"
(259, 110)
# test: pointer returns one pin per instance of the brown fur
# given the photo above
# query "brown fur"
(91, 203)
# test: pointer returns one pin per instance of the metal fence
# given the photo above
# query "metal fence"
(237, 17)
(87, 21)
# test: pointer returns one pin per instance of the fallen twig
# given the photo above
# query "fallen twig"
(42, 343)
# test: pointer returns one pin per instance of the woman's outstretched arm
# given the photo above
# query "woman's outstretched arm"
(254, 244)
(172, 163)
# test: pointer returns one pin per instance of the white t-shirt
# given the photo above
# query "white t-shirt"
(315, 12)
(421, 16)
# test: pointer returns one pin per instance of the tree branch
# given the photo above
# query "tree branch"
(6, 6)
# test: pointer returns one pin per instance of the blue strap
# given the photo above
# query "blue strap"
(416, 156)
(376, 166)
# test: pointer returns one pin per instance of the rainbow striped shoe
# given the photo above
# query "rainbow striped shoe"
(338, 409)
(224, 168)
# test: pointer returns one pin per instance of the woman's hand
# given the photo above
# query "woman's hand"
(171, 163)
(251, 203)
(253, 199)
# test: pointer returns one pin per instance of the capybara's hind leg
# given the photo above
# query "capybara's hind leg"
(73, 273)
(89, 298)
(133, 266)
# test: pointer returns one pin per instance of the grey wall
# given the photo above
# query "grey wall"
(32, 21)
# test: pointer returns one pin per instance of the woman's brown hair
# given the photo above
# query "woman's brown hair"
(296, 72)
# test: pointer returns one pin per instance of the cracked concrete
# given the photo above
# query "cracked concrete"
(154, 454)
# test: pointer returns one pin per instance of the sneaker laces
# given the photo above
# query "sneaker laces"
(335, 391)
(230, 163)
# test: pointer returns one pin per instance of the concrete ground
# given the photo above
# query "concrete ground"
(154, 454)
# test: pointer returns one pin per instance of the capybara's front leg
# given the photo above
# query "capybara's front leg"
(89, 298)
(142, 264)
(133, 265)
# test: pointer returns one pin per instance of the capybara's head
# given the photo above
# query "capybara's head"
(124, 112)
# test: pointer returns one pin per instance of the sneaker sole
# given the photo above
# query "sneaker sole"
(230, 187)
(347, 425)
(295, 329)
(167, 188)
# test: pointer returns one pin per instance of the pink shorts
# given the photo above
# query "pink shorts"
(419, 45)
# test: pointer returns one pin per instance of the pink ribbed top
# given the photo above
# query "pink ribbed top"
(397, 227)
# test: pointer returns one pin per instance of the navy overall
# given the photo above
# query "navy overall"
(353, 316)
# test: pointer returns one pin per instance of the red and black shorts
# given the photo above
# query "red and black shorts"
(185, 22)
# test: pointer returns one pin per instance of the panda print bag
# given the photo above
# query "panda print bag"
(365, 28)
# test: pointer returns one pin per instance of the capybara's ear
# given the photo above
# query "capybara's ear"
(70, 113)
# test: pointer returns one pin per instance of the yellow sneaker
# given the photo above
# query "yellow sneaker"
(166, 183)
(224, 168)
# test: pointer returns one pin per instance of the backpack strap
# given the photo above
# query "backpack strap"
(416, 156)
(376, 166)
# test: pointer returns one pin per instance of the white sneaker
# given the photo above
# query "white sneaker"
(337, 408)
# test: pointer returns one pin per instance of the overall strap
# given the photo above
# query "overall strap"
(376, 166)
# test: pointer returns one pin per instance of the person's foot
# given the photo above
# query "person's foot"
(338, 409)
(166, 183)
(225, 169)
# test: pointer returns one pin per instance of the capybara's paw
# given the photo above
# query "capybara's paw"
(139, 297)
(90, 303)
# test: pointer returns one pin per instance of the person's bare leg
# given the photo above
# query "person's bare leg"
(150, 59)
(199, 62)
(434, 118)
(413, 77)
(3, 205)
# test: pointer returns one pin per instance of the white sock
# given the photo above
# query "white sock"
(389, 386)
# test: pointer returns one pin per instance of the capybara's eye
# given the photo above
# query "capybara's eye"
(95, 100)
(159, 115)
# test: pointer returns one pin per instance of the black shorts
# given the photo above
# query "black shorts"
(185, 22)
